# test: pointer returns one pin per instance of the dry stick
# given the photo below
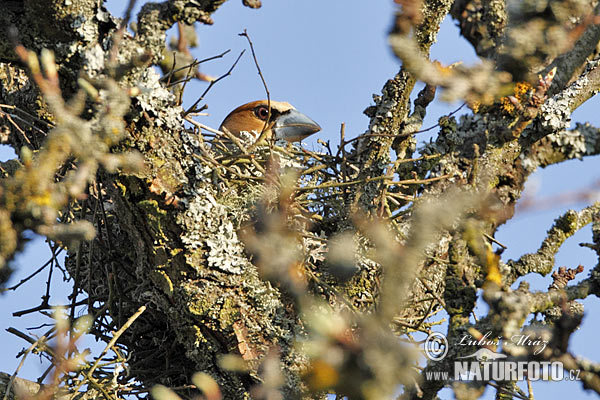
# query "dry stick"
(185, 81)
(500, 388)
(78, 261)
(436, 125)
(48, 352)
(432, 292)
(32, 126)
(116, 337)
(529, 389)
(262, 78)
(401, 196)
(244, 150)
(400, 135)
(33, 117)
(12, 378)
(194, 63)
(89, 263)
(418, 325)
(110, 247)
(182, 41)
(18, 128)
(213, 83)
(327, 146)
(376, 178)
(198, 114)
(494, 240)
(339, 184)
(420, 181)
(344, 158)
(394, 201)
(231, 137)
(202, 126)
(389, 174)
(22, 281)
(207, 159)
(110, 344)
(45, 299)
(316, 168)
(317, 156)
(225, 132)
(42, 307)
(172, 71)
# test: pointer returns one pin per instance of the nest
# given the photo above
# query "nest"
(309, 192)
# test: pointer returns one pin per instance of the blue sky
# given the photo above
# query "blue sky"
(327, 58)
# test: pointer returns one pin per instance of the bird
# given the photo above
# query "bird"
(285, 122)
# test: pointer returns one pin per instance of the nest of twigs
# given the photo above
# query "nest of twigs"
(317, 190)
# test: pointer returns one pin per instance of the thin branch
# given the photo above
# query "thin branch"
(213, 83)
(25, 354)
(40, 269)
(193, 64)
(262, 135)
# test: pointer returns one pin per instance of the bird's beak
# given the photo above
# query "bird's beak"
(294, 126)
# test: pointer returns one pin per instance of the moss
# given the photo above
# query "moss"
(198, 335)
(155, 217)
(358, 285)
(162, 280)
(202, 305)
(229, 313)
(195, 258)
(460, 299)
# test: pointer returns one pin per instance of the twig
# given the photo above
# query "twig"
(213, 83)
(372, 179)
(202, 126)
(22, 281)
(28, 339)
(78, 259)
(420, 181)
(31, 125)
(110, 344)
(194, 64)
(231, 137)
(185, 81)
(512, 393)
(384, 192)
(33, 117)
(262, 78)
(436, 125)
(368, 135)
(326, 145)
(172, 71)
(116, 337)
(17, 127)
(494, 240)
(25, 354)
(398, 135)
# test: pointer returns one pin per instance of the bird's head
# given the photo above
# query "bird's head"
(285, 122)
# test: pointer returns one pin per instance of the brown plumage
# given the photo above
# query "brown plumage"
(285, 123)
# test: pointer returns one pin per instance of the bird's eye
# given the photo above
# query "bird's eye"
(262, 112)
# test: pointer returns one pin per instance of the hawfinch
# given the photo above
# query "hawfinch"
(285, 123)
